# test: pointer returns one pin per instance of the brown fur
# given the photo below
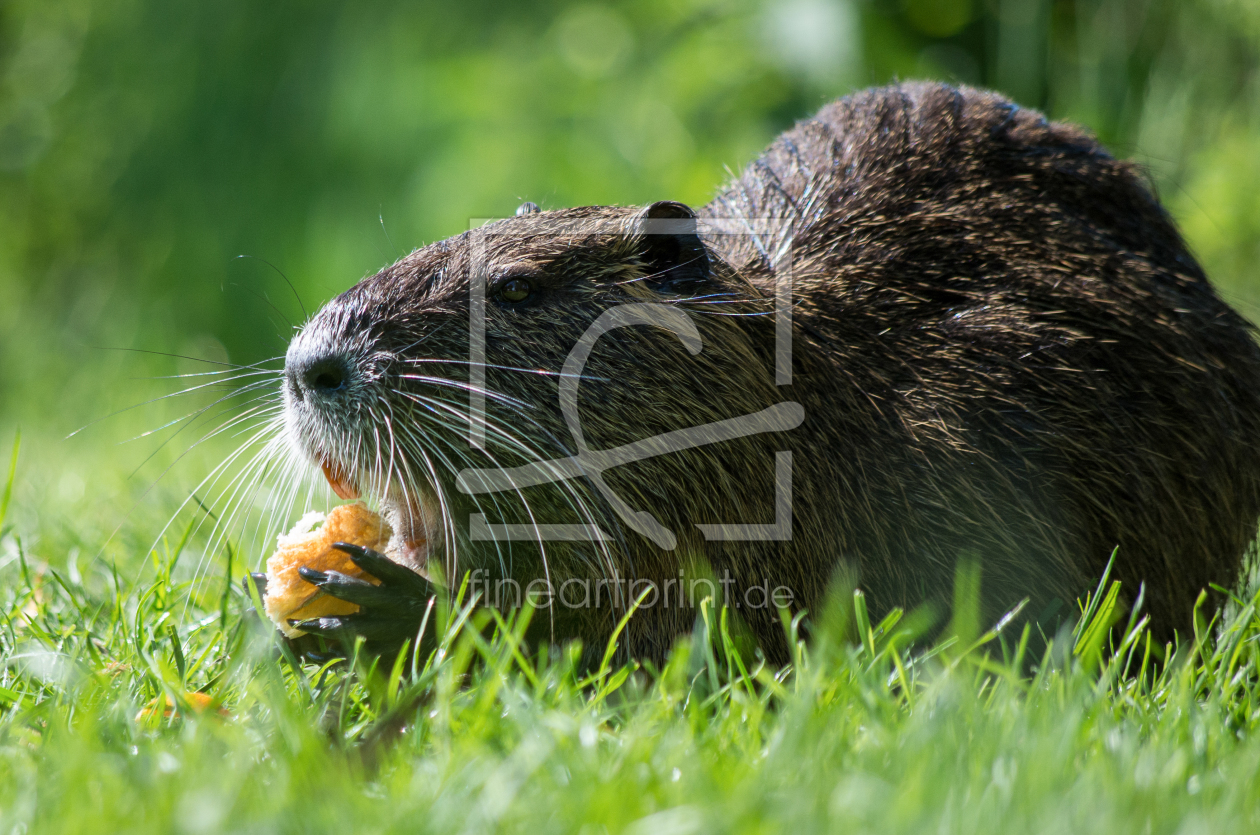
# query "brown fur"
(1003, 349)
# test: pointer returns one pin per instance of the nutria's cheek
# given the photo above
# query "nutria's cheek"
(416, 518)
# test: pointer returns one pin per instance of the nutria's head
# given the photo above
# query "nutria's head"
(382, 386)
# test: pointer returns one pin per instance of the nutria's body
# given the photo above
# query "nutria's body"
(1002, 349)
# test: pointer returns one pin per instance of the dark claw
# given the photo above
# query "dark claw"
(374, 630)
(353, 590)
(254, 582)
(381, 566)
(312, 575)
(326, 627)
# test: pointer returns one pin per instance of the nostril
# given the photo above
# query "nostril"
(326, 376)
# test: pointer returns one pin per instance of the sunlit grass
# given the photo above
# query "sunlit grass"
(163, 705)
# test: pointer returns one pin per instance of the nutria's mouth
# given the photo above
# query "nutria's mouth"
(412, 515)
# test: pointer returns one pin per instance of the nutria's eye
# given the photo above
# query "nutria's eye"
(514, 290)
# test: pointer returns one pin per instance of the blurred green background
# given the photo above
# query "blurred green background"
(145, 144)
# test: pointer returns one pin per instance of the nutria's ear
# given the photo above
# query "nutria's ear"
(671, 247)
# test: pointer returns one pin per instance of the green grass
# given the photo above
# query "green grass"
(144, 146)
(861, 733)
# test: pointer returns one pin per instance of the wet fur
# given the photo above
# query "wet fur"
(1004, 351)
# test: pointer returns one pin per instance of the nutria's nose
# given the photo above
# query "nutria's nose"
(322, 376)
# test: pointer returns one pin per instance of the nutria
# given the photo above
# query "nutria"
(1000, 351)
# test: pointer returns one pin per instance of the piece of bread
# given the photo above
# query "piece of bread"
(288, 595)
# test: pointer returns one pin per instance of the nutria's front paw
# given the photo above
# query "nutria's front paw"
(389, 613)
